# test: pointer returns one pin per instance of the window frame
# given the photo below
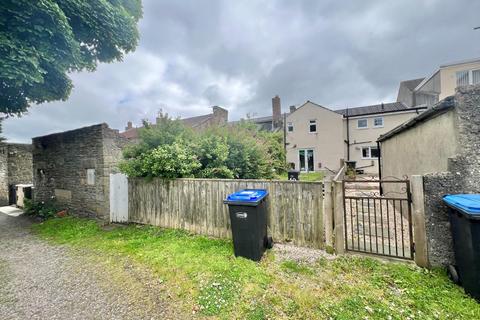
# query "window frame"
(471, 76)
(310, 123)
(369, 148)
(378, 126)
(366, 123)
(289, 126)
(469, 73)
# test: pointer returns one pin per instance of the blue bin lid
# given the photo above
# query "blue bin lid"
(468, 203)
(247, 195)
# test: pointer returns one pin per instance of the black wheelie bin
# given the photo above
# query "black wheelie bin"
(464, 212)
(248, 217)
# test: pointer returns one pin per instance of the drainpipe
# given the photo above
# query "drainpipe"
(285, 135)
(380, 167)
(348, 137)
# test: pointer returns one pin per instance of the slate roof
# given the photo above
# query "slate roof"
(130, 133)
(259, 119)
(439, 108)
(376, 109)
(191, 122)
(196, 121)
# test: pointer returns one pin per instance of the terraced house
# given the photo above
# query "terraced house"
(319, 138)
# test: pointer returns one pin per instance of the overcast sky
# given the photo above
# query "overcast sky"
(239, 54)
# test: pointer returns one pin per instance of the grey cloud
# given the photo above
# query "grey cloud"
(195, 54)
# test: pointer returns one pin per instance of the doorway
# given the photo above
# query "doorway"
(306, 160)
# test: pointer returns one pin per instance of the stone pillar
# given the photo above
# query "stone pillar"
(339, 228)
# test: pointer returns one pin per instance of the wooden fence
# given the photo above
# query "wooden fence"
(295, 209)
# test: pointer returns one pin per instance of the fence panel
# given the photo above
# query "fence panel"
(295, 209)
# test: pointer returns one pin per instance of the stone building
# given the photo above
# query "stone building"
(74, 168)
(15, 168)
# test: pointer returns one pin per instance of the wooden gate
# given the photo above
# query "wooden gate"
(378, 217)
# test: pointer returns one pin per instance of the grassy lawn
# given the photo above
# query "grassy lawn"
(205, 277)
(310, 176)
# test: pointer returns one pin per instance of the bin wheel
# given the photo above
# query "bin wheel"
(268, 242)
(453, 274)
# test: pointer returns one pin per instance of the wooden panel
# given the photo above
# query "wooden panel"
(295, 209)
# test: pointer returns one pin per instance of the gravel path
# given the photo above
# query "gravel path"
(43, 281)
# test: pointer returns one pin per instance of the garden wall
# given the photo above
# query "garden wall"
(295, 209)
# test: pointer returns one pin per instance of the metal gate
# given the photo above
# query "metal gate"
(378, 217)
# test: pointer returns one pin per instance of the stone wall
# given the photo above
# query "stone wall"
(74, 168)
(463, 175)
(15, 167)
(437, 224)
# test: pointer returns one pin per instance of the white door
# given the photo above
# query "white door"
(118, 198)
(306, 160)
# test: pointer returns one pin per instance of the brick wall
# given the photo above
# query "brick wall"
(74, 168)
(15, 167)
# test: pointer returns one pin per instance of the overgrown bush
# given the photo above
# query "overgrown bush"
(169, 161)
(43, 210)
(171, 150)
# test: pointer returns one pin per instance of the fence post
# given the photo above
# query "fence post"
(328, 214)
(338, 217)
(418, 220)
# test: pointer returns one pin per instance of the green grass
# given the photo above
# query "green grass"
(310, 176)
(202, 274)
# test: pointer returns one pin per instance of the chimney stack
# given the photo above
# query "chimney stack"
(129, 125)
(276, 112)
(292, 109)
(220, 115)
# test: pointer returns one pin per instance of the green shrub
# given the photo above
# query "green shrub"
(170, 150)
(169, 161)
(43, 210)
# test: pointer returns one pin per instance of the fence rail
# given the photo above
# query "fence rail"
(295, 209)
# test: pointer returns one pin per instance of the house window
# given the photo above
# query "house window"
(370, 153)
(378, 122)
(313, 126)
(362, 123)
(475, 76)
(462, 78)
(290, 127)
(466, 77)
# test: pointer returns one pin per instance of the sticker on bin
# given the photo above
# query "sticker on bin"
(247, 195)
(469, 203)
